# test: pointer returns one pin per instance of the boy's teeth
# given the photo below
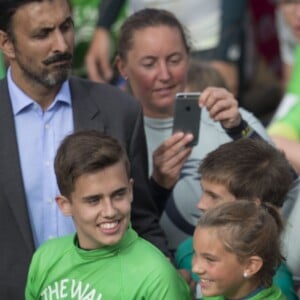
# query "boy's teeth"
(109, 225)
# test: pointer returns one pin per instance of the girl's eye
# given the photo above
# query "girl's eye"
(210, 259)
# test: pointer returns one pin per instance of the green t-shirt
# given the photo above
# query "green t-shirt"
(271, 293)
(287, 118)
(283, 277)
(289, 125)
(133, 269)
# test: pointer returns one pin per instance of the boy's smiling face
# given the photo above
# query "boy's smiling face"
(100, 206)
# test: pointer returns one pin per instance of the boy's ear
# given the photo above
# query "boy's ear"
(6, 45)
(64, 205)
(253, 265)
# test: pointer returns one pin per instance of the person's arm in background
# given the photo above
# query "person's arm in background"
(291, 149)
(287, 43)
(98, 56)
(285, 132)
(228, 51)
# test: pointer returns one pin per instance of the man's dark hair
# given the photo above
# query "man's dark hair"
(7, 10)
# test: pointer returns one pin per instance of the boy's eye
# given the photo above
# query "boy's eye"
(120, 194)
(213, 196)
(93, 200)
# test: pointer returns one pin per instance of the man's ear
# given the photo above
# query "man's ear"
(64, 205)
(253, 265)
(121, 67)
(6, 45)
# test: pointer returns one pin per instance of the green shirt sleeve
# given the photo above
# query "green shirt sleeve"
(289, 125)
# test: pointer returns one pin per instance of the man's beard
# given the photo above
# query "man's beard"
(45, 77)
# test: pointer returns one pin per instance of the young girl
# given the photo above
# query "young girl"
(237, 248)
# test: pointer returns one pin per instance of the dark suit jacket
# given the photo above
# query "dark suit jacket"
(95, 106)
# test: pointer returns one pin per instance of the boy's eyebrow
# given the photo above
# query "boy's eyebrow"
(114, 193)
(211, 193)
(120, 190)
(92, 197)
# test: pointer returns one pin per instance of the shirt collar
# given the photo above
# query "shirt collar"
(130, 236)
(20, 100)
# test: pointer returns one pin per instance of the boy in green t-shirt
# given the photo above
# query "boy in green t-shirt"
(105, 259)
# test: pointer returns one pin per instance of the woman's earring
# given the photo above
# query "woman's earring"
(245, 274)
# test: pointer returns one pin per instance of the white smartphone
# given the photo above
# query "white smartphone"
(187, 115)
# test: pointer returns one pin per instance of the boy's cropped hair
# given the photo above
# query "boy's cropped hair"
(201, 74)
(250, 169)
(85, 152)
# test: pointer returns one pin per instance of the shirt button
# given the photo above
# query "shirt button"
(47, 163)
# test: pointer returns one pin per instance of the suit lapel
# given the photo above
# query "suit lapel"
(10, 170)
(86, 114)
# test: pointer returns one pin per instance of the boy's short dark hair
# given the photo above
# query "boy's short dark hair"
(201, 75)
(86, 152)
(250, 169)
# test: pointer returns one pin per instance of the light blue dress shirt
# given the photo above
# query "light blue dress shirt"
(39, 134)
